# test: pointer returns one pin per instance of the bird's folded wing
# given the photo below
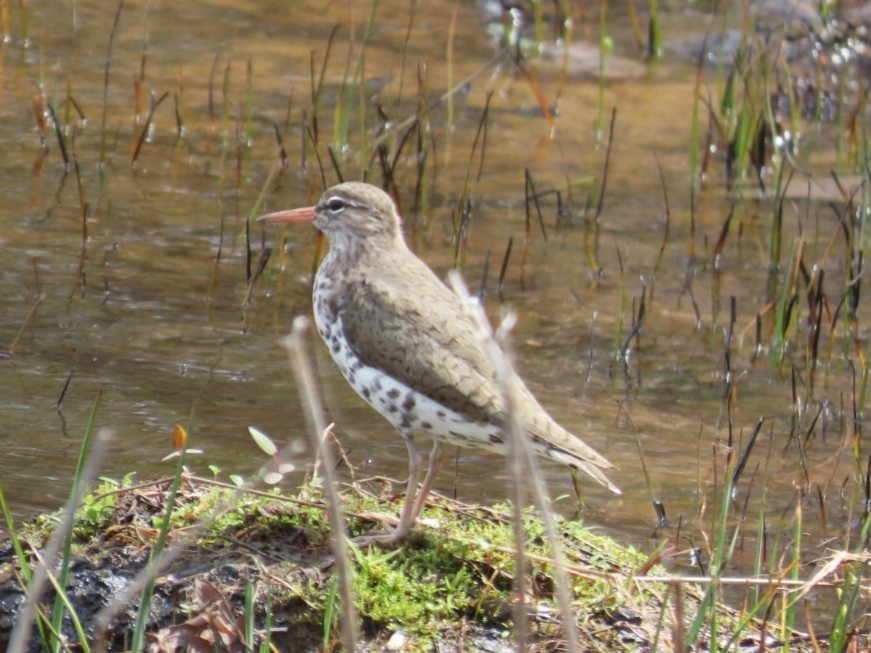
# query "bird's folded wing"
(421, 335)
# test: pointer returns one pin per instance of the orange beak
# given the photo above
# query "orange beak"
(291, 216)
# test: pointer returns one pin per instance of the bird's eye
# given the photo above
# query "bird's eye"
(335, 204)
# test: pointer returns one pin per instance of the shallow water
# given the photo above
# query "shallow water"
(157, 323)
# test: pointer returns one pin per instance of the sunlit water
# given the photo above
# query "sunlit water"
(157, 325)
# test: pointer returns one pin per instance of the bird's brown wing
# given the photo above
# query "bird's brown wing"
(413, 328)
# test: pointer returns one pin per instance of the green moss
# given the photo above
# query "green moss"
(95, 514)
(420, 590)
(461, 568)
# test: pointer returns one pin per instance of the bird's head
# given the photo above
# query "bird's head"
(351, 215)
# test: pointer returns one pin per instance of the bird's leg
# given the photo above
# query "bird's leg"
(435, 459)
(406, 519)
(407, 516)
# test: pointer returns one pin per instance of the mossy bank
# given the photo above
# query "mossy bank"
(250, 569)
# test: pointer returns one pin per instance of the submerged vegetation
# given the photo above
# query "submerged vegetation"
(746, 249)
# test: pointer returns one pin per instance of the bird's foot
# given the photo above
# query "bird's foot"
(386, 537)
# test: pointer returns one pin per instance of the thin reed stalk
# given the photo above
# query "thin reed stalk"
(143, 613)
(317, 428)
(522, 467)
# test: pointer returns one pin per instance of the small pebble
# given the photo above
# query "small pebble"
(397, 641)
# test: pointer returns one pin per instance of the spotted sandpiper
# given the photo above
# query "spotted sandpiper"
(407, 345)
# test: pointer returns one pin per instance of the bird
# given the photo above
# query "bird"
(407, 344)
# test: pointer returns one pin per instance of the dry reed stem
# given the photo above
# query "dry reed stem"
(318, 432)
(521, 464)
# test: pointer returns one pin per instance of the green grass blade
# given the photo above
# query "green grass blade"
(148, 593)
(59, 608)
